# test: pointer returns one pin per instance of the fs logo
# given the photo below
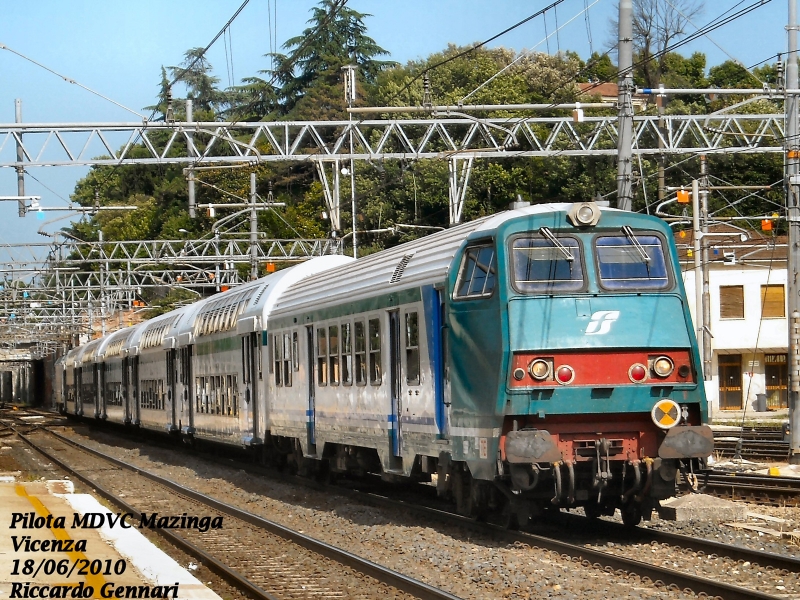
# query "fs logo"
(600, 322)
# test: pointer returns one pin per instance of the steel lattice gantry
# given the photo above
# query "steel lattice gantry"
(80, 284)
(218, 142)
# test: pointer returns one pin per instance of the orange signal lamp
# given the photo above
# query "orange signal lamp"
(766, 225)
(683, 196)
(270, 267)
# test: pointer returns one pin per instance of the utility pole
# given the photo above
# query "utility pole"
(253, 230)
(697, 236)
(190, 172)
(350, 96)
(793, 216)
(706, 321)
(625, 108)
(20, 158)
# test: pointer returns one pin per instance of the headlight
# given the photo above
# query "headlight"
(663, 366)
(565, 374)
(539, 369)
(584, 214)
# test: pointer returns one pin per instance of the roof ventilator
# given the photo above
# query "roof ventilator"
(401, 266)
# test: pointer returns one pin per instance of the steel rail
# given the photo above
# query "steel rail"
(397, 580)
(587, 556)
(231, 576)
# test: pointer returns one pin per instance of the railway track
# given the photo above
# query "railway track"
(761, 489)
(588, 557)
(259, 557)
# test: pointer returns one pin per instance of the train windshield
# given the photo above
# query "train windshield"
(547, 265)
(631, 262)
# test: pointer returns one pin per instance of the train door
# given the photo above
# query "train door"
(95, 388)
(395, 379)
(311, 387)
(249, 370)
(172, 382)
(135, 414)
(100, 368)
(126, 391)
(255, 364)
(79, 391)
(189, 391)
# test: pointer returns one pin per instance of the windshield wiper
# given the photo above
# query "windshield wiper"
(626, 229)
(545, 231)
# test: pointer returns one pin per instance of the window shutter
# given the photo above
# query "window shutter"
(731, 302)
(772, 301)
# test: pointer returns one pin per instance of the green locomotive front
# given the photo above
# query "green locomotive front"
(572, 366)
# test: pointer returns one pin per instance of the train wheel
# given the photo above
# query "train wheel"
(508, 517)
(631, 513)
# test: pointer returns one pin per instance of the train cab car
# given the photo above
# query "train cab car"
(220, 358)
(574, 367)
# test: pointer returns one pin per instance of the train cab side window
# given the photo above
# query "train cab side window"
(360, 353)
(631, 262)
(477, 275)
(276, 357)
(347, 354)
(333, 354)
(375, 377)
(412, 348)
(322, 357)
(542, 266)
(287, 359)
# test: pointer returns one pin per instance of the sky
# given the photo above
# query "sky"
(118, 48)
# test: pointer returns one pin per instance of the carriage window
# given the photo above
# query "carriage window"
(360, 353)
(541, 267)
(296, 351)
(347, 355)
(322, 357)
(375, 351)
(287, 359)
(412, 348)
(631, 262)
(333, 354)
(476, 277)
(276, 357)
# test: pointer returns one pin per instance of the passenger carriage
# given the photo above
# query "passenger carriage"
(218, 348)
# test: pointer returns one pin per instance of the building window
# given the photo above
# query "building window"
(731, 302)
(772, 301)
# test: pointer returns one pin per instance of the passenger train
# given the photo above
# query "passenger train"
(539, 358)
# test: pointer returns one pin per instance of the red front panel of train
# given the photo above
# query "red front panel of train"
(601, 369)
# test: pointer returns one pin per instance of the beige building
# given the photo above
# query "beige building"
(747, 287)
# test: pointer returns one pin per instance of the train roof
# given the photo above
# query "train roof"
(245, 308)
(423, 261)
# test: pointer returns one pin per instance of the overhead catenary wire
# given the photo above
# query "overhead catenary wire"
(72, 81)
(473, 48)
